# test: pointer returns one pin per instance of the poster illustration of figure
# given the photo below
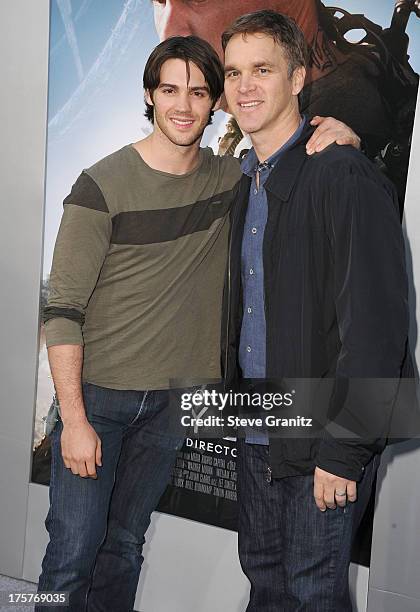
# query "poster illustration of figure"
(363, 61)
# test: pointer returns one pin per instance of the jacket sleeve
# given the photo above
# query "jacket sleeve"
(80, 249)
(371, 299)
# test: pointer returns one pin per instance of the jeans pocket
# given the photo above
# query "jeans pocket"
(141, 408)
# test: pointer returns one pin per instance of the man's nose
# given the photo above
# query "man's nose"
(173, 19)
(246, 83)
(183, 102)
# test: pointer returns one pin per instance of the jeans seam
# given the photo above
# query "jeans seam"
(140, 409)
(53, 478)
(335, 553)
(105, 533)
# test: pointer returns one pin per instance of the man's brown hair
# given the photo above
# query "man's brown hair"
(282, 30)
(189, 49)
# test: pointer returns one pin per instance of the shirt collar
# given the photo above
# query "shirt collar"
(250, 164)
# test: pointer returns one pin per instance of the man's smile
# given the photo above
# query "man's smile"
(182, 123)
(249, 104)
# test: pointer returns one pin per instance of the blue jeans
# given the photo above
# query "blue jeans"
(97, 527)
(295, 556)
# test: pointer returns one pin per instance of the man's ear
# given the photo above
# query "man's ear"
(148, 97)
(298, 80)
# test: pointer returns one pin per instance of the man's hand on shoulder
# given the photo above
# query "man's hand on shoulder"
(81, 448)
(328, 131)
(331, 491)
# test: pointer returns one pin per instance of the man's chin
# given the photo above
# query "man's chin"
(247, 128)
(185, 140)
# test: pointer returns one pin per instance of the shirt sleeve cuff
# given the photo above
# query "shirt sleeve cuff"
(63, 331)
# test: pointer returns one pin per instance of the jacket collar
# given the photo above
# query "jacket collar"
(285, 174)
(250, 165)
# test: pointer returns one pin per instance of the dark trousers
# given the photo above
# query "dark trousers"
(97, 527)
(295, 556)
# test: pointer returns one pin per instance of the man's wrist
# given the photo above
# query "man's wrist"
(72, 414)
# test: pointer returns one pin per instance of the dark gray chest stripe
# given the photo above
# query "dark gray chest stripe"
(164, 225)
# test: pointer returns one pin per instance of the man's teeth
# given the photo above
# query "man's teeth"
(248, 104)
(182, 122)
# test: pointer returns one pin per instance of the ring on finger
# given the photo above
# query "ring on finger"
(340, 493)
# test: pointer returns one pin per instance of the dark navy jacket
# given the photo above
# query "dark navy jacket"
(336, 301)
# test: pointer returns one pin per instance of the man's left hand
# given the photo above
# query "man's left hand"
(331, 491)
(330, 130)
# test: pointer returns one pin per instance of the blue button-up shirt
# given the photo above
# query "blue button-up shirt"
(252, 345)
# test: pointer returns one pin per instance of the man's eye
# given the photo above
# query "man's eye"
(263, 70)
(231, 74)
(167, 90)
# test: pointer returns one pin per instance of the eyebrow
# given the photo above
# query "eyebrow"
(196, 88)
(259, 64)
(200, 88)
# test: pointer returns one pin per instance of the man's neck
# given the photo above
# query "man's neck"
(161, 154)
(269, 141)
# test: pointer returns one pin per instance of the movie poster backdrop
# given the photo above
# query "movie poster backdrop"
(95, 105)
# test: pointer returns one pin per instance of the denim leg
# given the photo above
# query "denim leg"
(77, 517)
(148, 454)
(259, 529)
(309, 568)
(318, 545)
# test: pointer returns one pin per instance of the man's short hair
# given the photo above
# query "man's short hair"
(281, 28)
(189, 49)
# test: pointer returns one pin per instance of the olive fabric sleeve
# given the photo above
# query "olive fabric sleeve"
(82, 244)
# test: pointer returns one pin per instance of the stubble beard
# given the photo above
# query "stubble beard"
(181, 141)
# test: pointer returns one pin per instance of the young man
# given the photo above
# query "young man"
(136, 287)
(318, 294)
(135, 303)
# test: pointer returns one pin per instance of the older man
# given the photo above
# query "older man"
(317, 292)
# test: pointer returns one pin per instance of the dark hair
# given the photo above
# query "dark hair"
(281, 28)
(190, 49)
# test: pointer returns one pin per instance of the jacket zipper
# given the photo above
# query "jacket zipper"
(228, 307)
